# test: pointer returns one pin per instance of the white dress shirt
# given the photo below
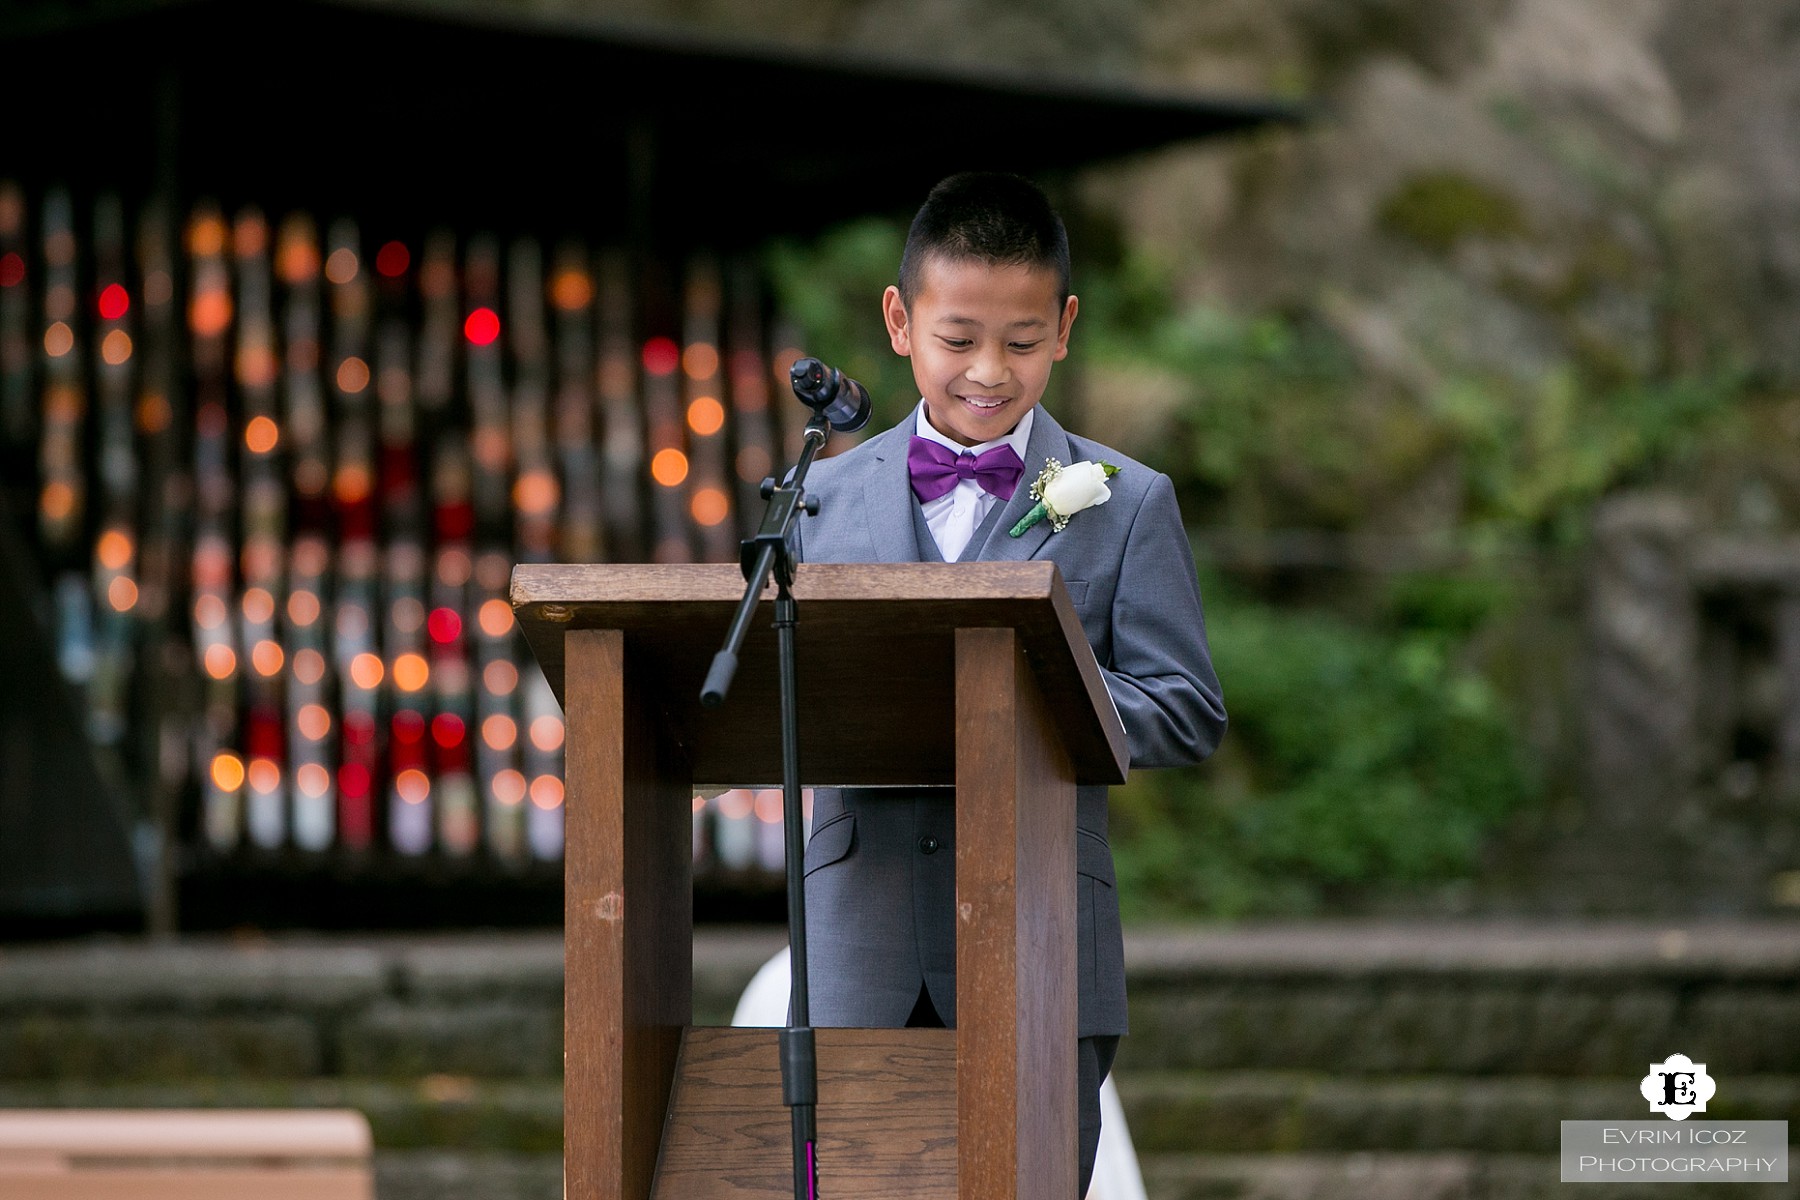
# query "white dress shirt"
(955, 516)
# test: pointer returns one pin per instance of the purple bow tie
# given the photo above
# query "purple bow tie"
(935, 469)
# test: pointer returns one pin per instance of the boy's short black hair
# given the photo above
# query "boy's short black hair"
(989, 217)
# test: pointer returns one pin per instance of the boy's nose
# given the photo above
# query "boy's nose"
(989, 369)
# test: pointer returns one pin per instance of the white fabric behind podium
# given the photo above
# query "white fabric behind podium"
(1116, 1174)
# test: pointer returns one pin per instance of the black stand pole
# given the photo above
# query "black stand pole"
(771, 551)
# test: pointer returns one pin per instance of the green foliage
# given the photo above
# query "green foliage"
(1536, 462)
(1439, 208)
(832, 288)
(1356, 756)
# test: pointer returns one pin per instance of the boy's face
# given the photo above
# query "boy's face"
(981, 339)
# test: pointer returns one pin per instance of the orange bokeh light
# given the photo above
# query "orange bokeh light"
(59, 339)
(264, 775)
(710, 506)
(547, 792)
(351, 484)
(303, 608)
(57, 501)
(411, 672)
(267, 657)
(262, 435)
(115, 347)
(352, 375)
(227, 771)
(122, 594)
(499, 732)
(412, 785)
(547, 733)
(571, 289)
(153, 412)
(113, 550)
(314, 780)
(500, 677)
(496, 618)
(341, 266)
(221, 661)
(298, 258)
(206, 235)
(536, 492)
(669, 467)
(258, 605)
(700, 360)
(509, 787)
(210, 312)
(313, 720)
(366, 671)
(706, 416)
(209, 611)
(309, 667)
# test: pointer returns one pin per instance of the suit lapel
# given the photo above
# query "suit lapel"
(887, 499)
(1047, 440)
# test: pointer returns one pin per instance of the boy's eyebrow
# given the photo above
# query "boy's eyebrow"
(1024, 323)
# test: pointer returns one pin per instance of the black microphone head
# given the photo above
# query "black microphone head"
(851, 409)
(830, 393)
(811, 384)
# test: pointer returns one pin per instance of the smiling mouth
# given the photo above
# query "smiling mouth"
(984, 403)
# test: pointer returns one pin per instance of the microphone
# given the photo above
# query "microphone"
(831, 393)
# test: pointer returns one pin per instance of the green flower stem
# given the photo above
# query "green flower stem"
(1038, 512)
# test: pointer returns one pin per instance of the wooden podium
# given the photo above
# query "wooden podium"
(976, 675)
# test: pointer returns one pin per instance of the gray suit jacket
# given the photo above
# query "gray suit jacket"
(880, 867)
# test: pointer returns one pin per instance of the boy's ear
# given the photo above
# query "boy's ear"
(899, 327)
(1063, 326)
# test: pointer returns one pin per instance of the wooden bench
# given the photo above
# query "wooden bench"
(184, 1154)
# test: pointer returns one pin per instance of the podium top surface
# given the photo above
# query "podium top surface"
(876, 661)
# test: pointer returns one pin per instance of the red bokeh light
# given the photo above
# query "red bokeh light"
(447, 730)
(409, 726)
(353, 780)
(393, 259)
(444, 624)
(115, 302)
(12, 269)
(482, 327)
(661, 356)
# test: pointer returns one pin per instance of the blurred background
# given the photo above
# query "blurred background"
(1467, 332)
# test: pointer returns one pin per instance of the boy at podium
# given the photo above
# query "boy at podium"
(980, 472)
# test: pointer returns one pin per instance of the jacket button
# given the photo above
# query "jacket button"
(928, 845)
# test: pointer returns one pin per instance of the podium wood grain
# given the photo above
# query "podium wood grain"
(886, 1117)
(628, 918)
(1015, 928)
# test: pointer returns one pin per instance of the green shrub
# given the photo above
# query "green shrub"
(1355, 756)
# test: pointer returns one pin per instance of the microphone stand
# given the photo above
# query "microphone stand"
(771, 550)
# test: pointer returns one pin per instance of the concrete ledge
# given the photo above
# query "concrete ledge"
(1241, 1112)
(1753, 950)
(1412, 1176)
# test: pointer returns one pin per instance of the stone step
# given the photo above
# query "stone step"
(1239, 1112)
(1387, 1176)
(436, 1112)
(454, 1175)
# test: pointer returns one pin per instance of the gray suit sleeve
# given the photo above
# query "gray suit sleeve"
(1161, 674)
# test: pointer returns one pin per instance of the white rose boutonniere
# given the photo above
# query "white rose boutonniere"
(1061, 492)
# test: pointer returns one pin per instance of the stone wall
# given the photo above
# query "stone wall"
(1282, 1063)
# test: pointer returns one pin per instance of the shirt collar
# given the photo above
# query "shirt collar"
(1017, 439)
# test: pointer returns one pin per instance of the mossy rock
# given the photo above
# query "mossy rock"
(1438, 209)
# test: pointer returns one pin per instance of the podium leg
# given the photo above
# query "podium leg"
(628, 921)
(1015, 933)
